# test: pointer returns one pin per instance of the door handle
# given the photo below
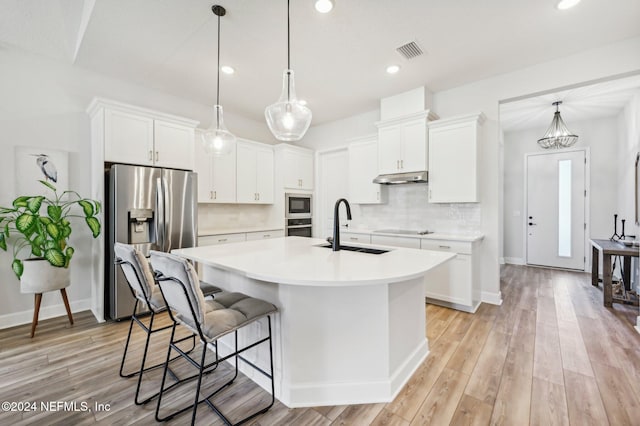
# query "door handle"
(532, 224)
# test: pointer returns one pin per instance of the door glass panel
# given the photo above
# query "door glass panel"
(564, 208)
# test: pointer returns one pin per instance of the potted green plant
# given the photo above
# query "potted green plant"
(41, 225)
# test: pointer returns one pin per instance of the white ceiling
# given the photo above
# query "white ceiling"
(339, 58)
(606, 99)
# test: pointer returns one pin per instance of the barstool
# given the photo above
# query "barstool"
(137, 272)
(210, 320)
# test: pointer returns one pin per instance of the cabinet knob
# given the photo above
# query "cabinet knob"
(215, 195)
(211, 195)
(221, 240)
(150, 155)
(402, 164)
(157, 156)
(445, 247)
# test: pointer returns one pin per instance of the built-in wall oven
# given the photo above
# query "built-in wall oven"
(298, 208)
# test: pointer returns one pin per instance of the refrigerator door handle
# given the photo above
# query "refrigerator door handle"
(159, 222)
(166, 219)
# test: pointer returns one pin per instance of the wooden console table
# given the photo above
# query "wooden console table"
(611, 248)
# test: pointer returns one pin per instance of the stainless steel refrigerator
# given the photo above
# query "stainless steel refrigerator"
(152, 208)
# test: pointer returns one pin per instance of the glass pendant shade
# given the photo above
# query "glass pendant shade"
(218, 141)
(557, 135)
(288, 119)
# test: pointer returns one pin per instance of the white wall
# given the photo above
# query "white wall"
(601, 136)
(43, 103)
(629, 128)
(485, 95)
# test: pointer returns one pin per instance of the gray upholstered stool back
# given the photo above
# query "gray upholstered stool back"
(136, 270)
(180, 286)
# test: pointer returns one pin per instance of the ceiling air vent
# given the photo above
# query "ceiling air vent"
(410, 50)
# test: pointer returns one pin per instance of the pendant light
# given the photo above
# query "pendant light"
(557, 135)
(288, 119)
(218, 141)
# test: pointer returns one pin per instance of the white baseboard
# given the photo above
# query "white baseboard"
(46, 312)
(501, 261)
(492, 298)
(514, 261)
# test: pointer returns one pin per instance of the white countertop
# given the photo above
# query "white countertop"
(208, 231)
(465, 237)
(298, 261)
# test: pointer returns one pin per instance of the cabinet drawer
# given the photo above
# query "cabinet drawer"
(461, 247)
(395, 241)
(263, 235)
(354, 238)
(211, 240)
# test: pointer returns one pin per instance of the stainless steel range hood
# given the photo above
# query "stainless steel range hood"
(398, 178)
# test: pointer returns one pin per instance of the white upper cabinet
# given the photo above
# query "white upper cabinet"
(173, 145)
(255, 173)
(453, 159)
(216, 175)
(296, 167)
(402, 143)
(363, 168)
(134, 135)
(128, 138)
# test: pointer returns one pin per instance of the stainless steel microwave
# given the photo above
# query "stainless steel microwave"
(298, 206)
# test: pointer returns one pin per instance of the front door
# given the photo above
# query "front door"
(555, 209)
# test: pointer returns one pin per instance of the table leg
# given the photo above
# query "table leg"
(594, 265)
(626, 272)
(606, 280)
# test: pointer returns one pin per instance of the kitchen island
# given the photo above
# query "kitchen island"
(350, 327)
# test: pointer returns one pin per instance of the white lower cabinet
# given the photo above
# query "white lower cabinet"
(387, 240)
(456, 283)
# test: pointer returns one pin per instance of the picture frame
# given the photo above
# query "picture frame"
(33, 164)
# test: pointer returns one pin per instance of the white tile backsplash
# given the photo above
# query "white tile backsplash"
(233, 216)
(408, 208)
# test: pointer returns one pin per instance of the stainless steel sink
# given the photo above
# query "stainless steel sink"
(367, 250)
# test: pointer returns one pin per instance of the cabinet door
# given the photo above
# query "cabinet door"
(452, 164)
(128, 138)
(173, 145)
(203, 167)
(389, 152)
(246, 174)
(223, 181)
(414, 146)
(363, 168)
(264, 175)
(298, 169)
(305, 170)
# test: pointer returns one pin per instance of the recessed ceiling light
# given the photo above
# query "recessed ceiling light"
(302, 102)
(392, 69)
(324, 6)
(227, 69)
(567, 4)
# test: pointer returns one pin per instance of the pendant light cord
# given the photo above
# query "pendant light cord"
(218, 82)
(288, 39)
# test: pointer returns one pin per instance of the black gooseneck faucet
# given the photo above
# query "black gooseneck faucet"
(336, 223)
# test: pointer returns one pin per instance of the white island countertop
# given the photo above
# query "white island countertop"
(299, 261)
(350, 327)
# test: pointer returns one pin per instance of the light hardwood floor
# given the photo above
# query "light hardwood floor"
(551, 354)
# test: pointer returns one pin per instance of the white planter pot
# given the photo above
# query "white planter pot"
(40, 276)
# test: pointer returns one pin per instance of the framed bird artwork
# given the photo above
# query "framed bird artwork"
(35, 164)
